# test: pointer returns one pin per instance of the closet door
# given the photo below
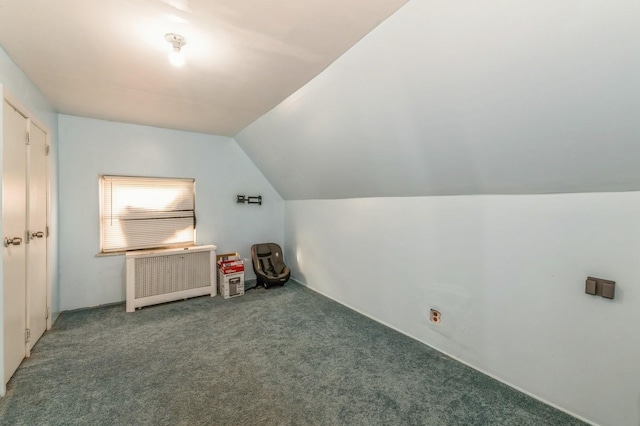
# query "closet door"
(14, 190)
(37, 228)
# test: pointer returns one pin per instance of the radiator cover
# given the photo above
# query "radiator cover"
(159, 276)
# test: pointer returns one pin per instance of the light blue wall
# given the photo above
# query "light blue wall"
(13, 80)
(222, 170)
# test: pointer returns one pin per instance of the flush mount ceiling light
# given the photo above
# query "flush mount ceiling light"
(177, 41)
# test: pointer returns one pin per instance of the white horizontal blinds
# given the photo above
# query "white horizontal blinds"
(139, 213)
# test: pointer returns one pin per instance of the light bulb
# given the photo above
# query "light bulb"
(177, 41)
(176, 58)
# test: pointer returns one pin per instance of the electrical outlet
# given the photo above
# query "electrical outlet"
(434, 316)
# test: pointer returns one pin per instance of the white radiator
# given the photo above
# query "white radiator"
(159, 276)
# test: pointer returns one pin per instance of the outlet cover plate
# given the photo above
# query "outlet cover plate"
(600, 287)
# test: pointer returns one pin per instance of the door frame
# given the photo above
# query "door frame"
(33, 120)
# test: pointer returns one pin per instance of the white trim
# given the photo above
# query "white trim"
(26, 112)
(48, 236)
(154, 225)
(519, 389)
(165, 251)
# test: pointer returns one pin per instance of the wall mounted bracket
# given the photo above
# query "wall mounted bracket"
(241, 199)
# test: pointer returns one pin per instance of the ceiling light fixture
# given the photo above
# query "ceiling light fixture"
(177, 41)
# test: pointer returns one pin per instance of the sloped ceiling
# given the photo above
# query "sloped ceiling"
(466, 97)
(107, 59)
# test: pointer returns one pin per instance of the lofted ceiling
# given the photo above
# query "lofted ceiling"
(108, 59)
(466, 97)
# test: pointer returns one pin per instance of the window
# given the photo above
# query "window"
(141, 213)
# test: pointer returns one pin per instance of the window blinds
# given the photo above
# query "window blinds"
(141, 213)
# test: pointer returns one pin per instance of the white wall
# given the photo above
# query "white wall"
(13, 80)
(466, 97)
(506, 272)
(91, 147)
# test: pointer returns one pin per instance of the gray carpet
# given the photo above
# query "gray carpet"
(285, 356)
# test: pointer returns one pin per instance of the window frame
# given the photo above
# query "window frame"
(101, 218)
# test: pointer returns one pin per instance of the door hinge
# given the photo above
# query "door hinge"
(47, 230)
(46, 314)
(27, 335)
(28, 138)
(47, 149)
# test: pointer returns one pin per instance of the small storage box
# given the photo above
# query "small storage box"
(230, 275)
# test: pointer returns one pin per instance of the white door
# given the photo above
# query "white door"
(14, 225)
(37, 228)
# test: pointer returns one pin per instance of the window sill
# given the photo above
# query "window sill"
(123, 252)
(111, 253)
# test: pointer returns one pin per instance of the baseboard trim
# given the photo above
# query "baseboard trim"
(519, 389)
(86, 308)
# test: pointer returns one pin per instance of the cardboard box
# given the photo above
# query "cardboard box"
(230, 275)
(231, 267)
(228, 257)
(230, 285)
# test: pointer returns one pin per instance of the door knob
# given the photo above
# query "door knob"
(38, 234)
(16, 241)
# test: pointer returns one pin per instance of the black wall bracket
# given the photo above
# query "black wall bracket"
(241, 199)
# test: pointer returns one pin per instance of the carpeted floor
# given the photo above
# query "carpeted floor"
(286, 356)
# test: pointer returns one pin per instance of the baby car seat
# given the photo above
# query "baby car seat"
(268, 265)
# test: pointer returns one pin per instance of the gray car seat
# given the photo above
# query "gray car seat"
(268, 265)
